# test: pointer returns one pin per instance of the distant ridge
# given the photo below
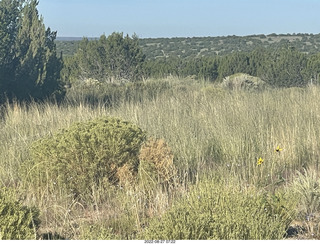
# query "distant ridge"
(192, 47)
(65, 38)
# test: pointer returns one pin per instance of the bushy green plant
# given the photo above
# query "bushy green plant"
(85, 156)
(217, 211)
(17, 222)
(97, 232)
(113, 58)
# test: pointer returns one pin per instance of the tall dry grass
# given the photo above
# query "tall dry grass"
(210, 131)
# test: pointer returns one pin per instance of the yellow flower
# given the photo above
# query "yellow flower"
(260, 161)
(278, 149)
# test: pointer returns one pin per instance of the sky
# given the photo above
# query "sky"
(180, 18)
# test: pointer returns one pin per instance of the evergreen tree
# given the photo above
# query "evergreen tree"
(284, 67)
(30, 68)
(312, 72)
(9, 19)
(238, 62)
(108, 59)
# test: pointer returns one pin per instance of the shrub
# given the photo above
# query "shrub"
(122, 227)
(17, 222)
(156, 164)
(306, 186)
(97, 232)
(306, 189)
(84, 156)
(216, 211)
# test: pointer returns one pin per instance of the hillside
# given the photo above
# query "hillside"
(208, 46)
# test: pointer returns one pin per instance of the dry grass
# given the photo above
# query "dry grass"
(209, 130)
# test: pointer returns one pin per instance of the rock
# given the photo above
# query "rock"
(241, 81)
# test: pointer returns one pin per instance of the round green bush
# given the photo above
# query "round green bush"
(85, 156)
(216, 211)
(17, 222)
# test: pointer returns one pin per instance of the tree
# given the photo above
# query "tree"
(29, 66)
(108, 59)
(237, 62)
(284, 67)
(312, 73)
(9, 18)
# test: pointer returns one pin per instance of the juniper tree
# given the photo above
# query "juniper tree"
(115, 57)
(29, 66)
(284, 67)
(9, 14)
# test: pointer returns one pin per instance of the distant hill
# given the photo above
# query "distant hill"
(184, 47)
(66, 39)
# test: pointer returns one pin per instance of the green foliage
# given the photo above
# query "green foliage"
(238, 62)
(211, 132)
(282, 64)
(29, 67)
(97, 232)
(17, 222)
(312, 71)
(9, 11)
(115, 58)
(186, 47)
(123, 227)
(280, 67)
(285, 68)
(84, 156)
(216, 210)
(200, 68)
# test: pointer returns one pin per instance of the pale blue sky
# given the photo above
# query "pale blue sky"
(180, 18)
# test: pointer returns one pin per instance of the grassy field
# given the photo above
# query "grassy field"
(238, 155)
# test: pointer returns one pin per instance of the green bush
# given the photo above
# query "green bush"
(123, 227)
(85, 156)
(97, 232)
(17, 222)
(217, 211)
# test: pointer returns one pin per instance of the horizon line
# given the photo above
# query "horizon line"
(261, 34)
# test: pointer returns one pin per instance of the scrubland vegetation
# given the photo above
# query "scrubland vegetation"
(208, 140)
(193, 47)
(110, 144)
